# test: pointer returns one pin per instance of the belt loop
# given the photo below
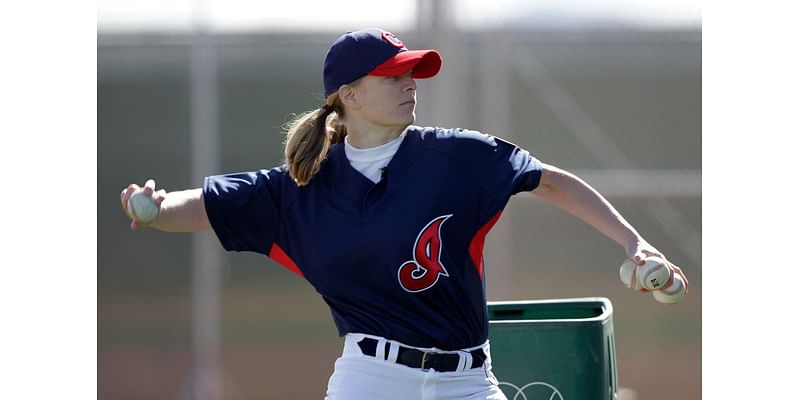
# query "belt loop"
(461, 362)
(394, 349)
(380, 349)
(465, 361)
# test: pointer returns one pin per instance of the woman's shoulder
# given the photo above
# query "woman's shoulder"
(453, 139)
(255, 179)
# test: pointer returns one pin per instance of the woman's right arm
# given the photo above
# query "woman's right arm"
(179, 211)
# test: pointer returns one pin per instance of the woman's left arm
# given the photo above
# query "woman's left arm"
(576, 197)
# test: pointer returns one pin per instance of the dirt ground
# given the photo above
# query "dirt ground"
(281, 344)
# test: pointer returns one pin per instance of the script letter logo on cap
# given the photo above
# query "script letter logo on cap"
(391, 38)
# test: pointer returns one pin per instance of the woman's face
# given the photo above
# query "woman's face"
(386, 101)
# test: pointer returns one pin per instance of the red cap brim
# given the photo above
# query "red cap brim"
(422, 63)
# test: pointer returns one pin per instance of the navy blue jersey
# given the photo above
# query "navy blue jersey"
(401, 258)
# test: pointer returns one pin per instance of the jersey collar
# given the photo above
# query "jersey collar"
(346, 181)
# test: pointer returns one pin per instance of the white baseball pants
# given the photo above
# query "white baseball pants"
(361, 377)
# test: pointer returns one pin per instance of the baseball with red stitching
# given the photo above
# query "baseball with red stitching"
(673, 293)
(653, 274)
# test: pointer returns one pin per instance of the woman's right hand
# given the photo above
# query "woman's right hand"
(149, 190)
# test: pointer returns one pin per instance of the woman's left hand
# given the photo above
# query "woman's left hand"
(639, 250)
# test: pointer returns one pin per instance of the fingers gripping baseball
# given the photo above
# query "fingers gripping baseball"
(673, 271)
(142, 204)
(642, 250)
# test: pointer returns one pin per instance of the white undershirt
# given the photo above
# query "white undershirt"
(371, 161)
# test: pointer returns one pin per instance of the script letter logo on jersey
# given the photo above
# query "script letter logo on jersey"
(424, 271)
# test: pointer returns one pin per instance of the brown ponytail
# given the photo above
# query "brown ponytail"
(308, 138)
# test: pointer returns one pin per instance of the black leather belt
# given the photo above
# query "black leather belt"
(442, 362)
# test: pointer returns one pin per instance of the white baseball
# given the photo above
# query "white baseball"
(142, 208)
(653, 274)
(627, 274)
(673, 293)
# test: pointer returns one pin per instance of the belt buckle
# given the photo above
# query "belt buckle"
(424, 358)
(432, 360)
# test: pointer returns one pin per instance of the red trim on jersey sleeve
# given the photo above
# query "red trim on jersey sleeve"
(276, 253)
(476, 245)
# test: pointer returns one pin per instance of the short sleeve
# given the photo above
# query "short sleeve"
(243, 208)
(501, 167)
(522, 170)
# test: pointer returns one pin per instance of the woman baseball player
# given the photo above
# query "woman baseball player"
(387, 221)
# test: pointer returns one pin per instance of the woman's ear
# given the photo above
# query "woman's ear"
(347, 95)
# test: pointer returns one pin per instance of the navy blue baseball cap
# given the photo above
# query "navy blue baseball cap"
(375, 52)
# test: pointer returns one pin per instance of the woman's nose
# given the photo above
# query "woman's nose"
(410, 84)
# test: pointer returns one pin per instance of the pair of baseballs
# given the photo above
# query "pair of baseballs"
(653, 275)
(142, 208)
